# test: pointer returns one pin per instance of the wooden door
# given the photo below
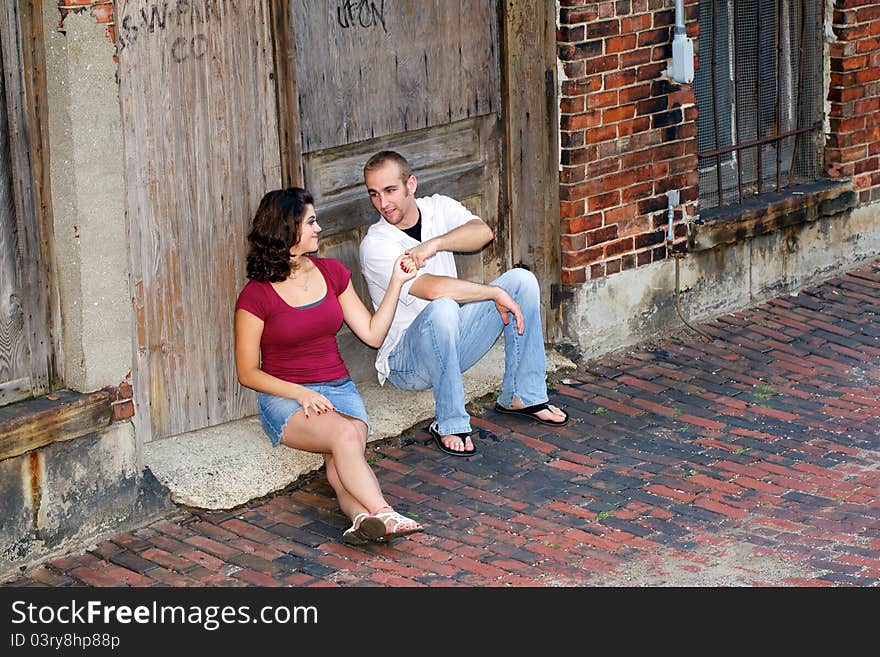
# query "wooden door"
(27, 345)
(198, 104)
(224, 100)
(421, 77)
(15, 380)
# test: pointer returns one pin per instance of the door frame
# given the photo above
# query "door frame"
(530, 148)
(529, 188)
(23, 68)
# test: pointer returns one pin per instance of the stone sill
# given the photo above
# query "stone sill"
(761, 215)
(53, 418)
(224, 466)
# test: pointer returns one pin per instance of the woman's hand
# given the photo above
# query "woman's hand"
(315, 403)
(404, 269)
(372, 329)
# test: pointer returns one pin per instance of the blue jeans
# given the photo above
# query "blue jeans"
(446, 339)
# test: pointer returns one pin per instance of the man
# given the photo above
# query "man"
(443, 324)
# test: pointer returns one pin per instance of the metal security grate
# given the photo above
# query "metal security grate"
(759, 89)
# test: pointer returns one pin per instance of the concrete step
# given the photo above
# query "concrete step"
(227, 465)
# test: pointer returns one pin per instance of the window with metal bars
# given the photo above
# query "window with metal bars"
(758, 89)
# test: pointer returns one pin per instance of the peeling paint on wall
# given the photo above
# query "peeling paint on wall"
(100, 10)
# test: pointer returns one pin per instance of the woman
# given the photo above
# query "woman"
(286, 320)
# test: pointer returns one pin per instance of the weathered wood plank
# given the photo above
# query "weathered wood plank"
(201, 136)
(60, 416)
(451, 159)
(531, 149)
(14, 355)
(289, 133)
(338, 172)
(495, 255)
(27, 343)
(15, 390)
(395, 66)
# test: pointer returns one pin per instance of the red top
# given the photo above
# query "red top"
(299, 344)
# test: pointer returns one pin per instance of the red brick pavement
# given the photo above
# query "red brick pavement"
(750, 460)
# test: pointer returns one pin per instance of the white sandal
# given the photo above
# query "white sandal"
(353, 535)
(383, 525)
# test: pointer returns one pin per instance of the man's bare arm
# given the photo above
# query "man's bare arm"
(430, 287)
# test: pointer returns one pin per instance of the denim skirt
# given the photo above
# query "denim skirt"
(276, 411)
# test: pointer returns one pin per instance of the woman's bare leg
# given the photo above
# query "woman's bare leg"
(342, 441)
(347, 502)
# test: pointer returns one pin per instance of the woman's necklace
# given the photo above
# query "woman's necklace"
(304, 286)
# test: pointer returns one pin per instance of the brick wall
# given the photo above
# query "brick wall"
(853, 145)
(628, 135)
(101, 10)
(121, 400)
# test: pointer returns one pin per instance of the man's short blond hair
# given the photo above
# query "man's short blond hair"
(380, 158)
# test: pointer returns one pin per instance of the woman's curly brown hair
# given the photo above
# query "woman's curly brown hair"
(276, 228)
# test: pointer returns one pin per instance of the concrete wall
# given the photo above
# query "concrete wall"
(88, 200)
(65, 496)
(636, 305)
(62, 497)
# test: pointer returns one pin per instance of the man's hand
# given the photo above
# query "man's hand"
(422, 252)
(470, 236)
(504, 303)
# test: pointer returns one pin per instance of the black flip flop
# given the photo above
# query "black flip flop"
(531, 412)
(443, 448)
